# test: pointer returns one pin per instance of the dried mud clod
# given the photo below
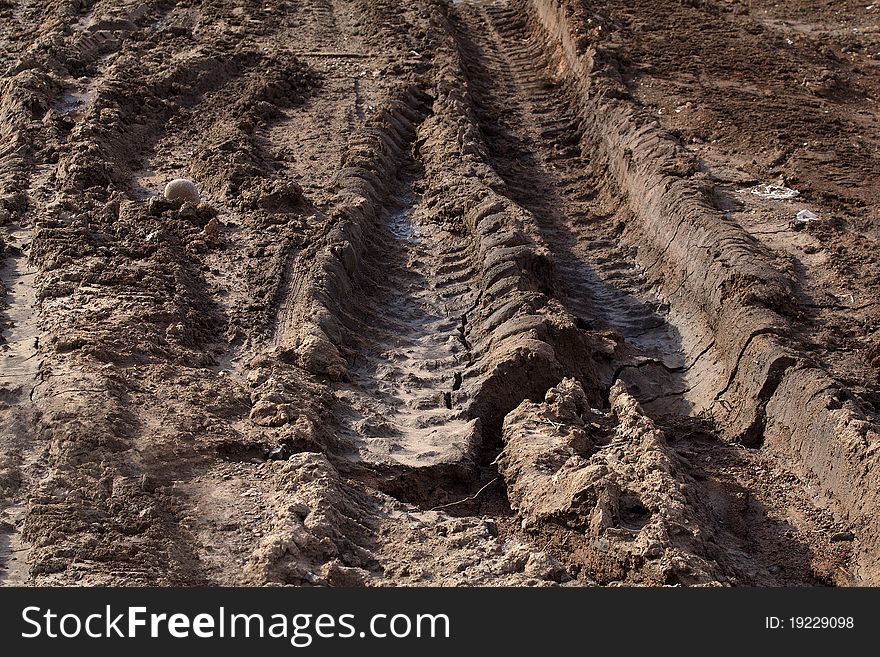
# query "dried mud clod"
(612, 480)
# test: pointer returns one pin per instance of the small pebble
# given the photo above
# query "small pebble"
(182, 189)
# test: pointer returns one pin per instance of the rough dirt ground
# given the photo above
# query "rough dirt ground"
(479, 293)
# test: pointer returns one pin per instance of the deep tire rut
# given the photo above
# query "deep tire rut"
(535, 144)
(412, 354)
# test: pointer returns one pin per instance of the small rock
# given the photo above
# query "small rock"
(653, 551)
(188, 211)
(156, 206)
(337, 574)
(182, 189)
(267, 414)
(543, 566)
(842, 536)
(212, 228)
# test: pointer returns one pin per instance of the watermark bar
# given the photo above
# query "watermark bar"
(278, 621)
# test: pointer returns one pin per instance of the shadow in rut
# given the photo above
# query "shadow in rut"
(756, 543)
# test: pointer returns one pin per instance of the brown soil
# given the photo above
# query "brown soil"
(479, 293)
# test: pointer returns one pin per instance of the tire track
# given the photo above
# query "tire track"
(281, 396)
(320, 27)
(76, 124)
(250, 160)
(20, 337)
(534, 142)
(354, 90)
(19, 369)
(396, 339)
(412, 357)
(27, 179)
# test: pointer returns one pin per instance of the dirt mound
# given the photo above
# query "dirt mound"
(614, 481)
(334, 532)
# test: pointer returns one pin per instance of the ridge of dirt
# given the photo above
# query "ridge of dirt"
(752, 301)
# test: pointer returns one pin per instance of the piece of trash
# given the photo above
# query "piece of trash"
(280, 453)
(775, 192)
(842, 536)
(805, 216)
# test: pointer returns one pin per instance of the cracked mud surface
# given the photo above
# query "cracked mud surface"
(479, 293)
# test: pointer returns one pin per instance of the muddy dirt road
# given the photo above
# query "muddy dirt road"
(479, 293)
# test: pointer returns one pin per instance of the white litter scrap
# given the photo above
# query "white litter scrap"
(775, 192)
(806, 216)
